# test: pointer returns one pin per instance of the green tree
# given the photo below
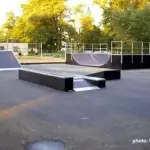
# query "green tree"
(121, 4)
(41, 21)
(8, 26)
(2, 37)
(119, 17)
(90, 36)
(132, 24)
(87, 22)
(23, 31)
(46, 16)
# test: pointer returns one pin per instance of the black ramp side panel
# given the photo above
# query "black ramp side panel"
(52, 81)
(146, 61)
(8, 60)
(127, 62)
(85, 59)
(137, 61)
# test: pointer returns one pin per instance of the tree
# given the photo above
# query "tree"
(9, 24)
(24, 32)
(46, 16)
(2, 37)
(121, 4)
(10, 20)
(132, 24)
(41, 21)
(87, 22)
(83, 22)
(119, 17)
(91, 36)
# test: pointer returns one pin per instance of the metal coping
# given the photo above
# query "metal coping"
(86, 89)
(9, 69)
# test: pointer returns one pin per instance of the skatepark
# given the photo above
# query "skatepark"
(75, 106)
(65, 77)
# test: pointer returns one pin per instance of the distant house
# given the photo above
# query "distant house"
(17, 48)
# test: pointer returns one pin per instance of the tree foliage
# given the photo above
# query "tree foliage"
(126, 19)
(41, 21)
(87, 22)
(121, 4)
(47, 17)
(132, 24)
(93, 35)
(9, 24)
(52, 21)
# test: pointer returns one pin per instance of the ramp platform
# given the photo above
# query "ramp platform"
(63, 83)
(76, 71)
(68, 77)
(8, 61)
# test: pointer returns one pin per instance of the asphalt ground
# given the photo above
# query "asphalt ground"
(107, 119)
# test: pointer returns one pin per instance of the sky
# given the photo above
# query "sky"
(9, 5)
(94, 9)
(14, 5)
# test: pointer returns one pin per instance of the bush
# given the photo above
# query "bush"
(31, 52)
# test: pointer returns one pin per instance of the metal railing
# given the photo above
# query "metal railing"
(116, 48)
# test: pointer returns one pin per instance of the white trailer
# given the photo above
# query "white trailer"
(15, 47)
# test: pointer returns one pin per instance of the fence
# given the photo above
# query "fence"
(114, 47)
(86, 47)
(130, 48)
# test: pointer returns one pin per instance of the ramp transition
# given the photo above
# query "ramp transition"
(91, 59)
(101, 59)
(8, 61)
(84, 59)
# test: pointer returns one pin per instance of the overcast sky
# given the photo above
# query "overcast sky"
(14, 5)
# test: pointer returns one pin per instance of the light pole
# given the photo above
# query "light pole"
(41, 47)
(41, 50)
(7, 44)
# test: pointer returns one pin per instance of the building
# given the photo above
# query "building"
(20, 48)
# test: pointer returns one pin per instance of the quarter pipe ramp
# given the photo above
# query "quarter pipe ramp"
(8, 61)
(101, 59)
(90, 59)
